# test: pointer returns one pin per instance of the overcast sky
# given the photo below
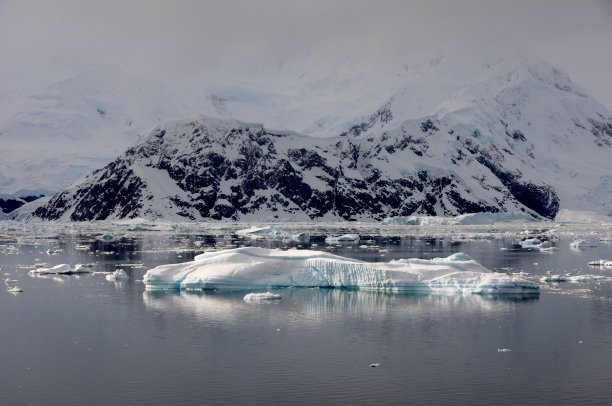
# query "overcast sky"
(44, 41)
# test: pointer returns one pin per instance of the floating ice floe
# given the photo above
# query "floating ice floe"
(588, 278)
(272, 233)
(9, 281)
(14, 289)
(119, 274)
(581, 244)
(601, 262)
(61, 269)
(533, 244)
(261, 297)
(573, 278)
(259, 268)
(554, 278)
(342, 238)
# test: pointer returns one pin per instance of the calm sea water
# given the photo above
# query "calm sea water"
(74, 340)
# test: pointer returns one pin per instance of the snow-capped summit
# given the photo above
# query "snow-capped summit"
(519, 110)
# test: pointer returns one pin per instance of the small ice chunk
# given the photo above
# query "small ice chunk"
(580, 243)
(601, 262)
(553, 278)
(459, 256)
(9, 281)
(342, 238)
(61, 269)
(374, 365)
(260, 297)
(14, 289)
(119, 274)
(587, 278)
(504, 350)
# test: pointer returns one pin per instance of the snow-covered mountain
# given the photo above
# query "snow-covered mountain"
(502, 131)
(51, 139)
(523, 114)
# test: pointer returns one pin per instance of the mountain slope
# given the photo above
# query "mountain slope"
(211, 168)
(524, 112)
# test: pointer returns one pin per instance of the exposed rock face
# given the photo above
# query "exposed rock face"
(224, 169)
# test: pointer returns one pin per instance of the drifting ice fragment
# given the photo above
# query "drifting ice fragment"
(249, 268)
(117, 275)
(342, 238)
(553, 278)
(587, 278)
(504, 350)
(267, 232)
(575, 278)
(601, 262)
(260, 297)
(581, 244)
(61, 269)
(14, 289)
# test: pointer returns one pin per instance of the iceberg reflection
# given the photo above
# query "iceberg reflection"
(318, 305)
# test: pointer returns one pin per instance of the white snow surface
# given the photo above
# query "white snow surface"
(251, 268)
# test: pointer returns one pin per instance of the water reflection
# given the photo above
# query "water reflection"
(309, 306)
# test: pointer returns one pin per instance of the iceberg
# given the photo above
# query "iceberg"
(260, 268)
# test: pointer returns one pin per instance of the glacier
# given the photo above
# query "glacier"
(259, 268)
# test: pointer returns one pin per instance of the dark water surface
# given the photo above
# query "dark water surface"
(74, 340)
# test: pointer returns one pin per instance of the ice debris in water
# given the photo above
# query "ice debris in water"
(117, 275)
(342, 238)
(260, 297)
(61, 269)
(14, 289)
(504, 350)
(601, 262)
(573, 278)
(252, 267)
(581, 244)
(553, 278)
(272, 233)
